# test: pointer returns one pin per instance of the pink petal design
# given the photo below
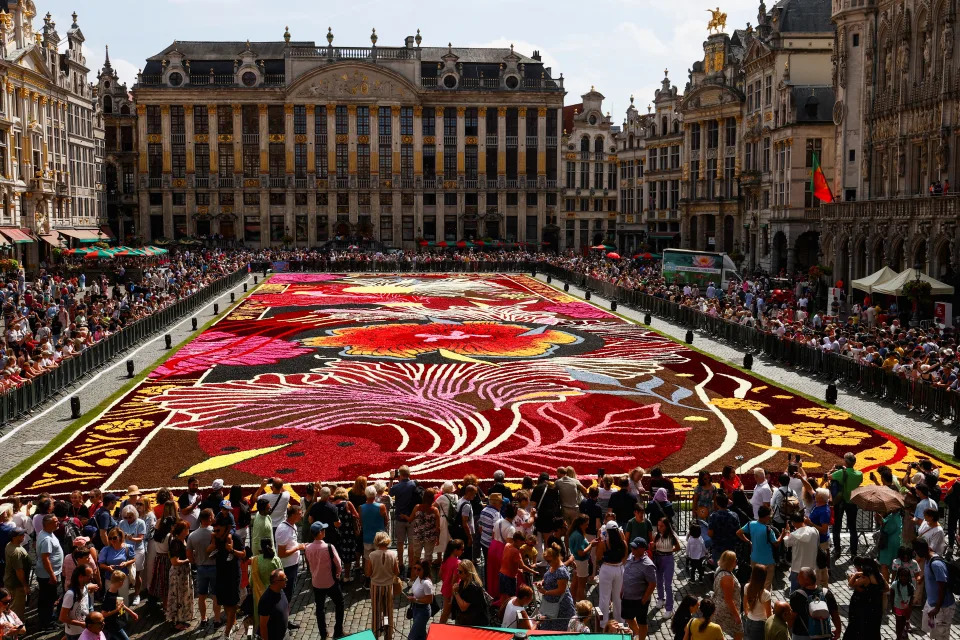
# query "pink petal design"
(221, 347)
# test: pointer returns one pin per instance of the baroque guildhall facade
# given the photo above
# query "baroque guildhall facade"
(51, 138)
(291, 143)
(897, 118)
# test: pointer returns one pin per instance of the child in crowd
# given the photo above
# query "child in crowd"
(529, 552)
(115, 611)
(902, 590)
(696, 551)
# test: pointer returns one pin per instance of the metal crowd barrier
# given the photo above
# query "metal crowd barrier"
(16, 402)
(931, 401)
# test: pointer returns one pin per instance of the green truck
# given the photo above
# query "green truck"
(699, 267)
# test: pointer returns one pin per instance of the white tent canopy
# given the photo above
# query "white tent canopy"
(894, 287)
(867, 283)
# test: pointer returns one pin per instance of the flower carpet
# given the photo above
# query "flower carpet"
(324, 376)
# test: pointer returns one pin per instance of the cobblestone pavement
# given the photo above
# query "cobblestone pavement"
(152, 627)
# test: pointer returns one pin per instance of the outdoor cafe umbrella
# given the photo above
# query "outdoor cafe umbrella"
(613, 255)
(878, 498)
(464, 244)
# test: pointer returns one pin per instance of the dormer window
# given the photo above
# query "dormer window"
(175, 79)
(511, 82)
(249, 78)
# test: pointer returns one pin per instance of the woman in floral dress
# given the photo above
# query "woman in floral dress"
(349, 527)
(180, 587)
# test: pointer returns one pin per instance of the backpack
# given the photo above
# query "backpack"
(788, 505)
(455, 523)
(818, 614)
(67, 533)
(953, 574)
(932, 482)
(836, 487)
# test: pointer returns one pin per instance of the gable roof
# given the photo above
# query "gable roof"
(805, 16)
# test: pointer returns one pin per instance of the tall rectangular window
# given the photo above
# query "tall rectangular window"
(202, 159)
(201, 123)
(225, 119)
(713, 134)
(449, 165)
(299, 119)
(277, 158)
(341, 157)
(695, 136)
(363, 161)
(449, 121)
(320, 120)
(363, 121)
(178, 120)
(470, 162)
(766, 154)
(406, 121)
(154, 160)
(428, 122)
(729, 179)
(731, 132)
(300, 159)
(385, 162)
(406, 161)
(250, 119)
(251, 160)
(225, 160)
(571, 175)
(179, 160)
(429, 162)
(711, 177)
(384, 122)
(154, 122)
(470, 122)
(341, 124)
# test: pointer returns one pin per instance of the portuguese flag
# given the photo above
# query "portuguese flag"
(818, 181)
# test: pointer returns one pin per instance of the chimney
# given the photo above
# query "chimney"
(536, 55)
(408, 42)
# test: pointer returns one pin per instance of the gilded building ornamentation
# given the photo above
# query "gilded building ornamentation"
(276, 137)
(224, 137)
(202, 138)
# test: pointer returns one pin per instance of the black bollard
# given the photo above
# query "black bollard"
(75, 407)
(956, 447)
(831, 393)
(549, 279)
(254, 279)
(244, 287)
(566, 286)
(586, 294)
(647, 319)
(533, 273)
(748, 361)
(168, 340)
(216, 308)
(193, 323)
(689, 337)
(613, 305)
(129, 368)
(232, 298)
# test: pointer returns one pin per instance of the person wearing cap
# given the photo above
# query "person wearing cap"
(133, 492)
(215, 497)
(262, 526)
(17, 571)
(224, 511)
(325, 570)
(612, 549)
(639, 582)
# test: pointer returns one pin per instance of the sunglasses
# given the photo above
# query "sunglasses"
(6, 601)
(113, 538)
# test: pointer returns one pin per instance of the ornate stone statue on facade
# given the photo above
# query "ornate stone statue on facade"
(718, 21)
(901, 162)
(943, 152)
(927, 53)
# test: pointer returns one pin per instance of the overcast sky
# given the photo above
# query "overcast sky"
(619, 46)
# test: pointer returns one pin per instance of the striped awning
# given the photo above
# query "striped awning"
(82, 235)
(16, 235)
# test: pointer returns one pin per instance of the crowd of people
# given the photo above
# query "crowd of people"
(521, 554)
(58, 314)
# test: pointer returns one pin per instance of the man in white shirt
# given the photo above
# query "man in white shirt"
(804, 540)
(288, 550)
(762, 493)
(278, 499)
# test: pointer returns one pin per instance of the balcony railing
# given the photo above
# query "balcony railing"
(450, 141)
(472, 184)
(551, 141)
(342, 183)
(492, 141)
(551, 184)
(909, 207)
(251, 138)
(406, 183)
(277, 182)
(512, 184)
(178, 138)
(320, 139)
(273, 79)
(512, 142)
(356, 53)
(221, 79)
(155, 183)
(202, 182)
(531, 142)
(384, 140)
(301, 183)
(472, 84)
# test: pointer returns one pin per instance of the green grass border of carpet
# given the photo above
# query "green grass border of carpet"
(943, 455)
(91, 415)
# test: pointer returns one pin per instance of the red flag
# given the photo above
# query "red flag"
(818, 181)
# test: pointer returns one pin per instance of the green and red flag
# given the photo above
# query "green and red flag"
(818, 182)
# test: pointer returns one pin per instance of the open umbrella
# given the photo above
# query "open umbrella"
(93, 254)
(874, 497)
(464, 244)
(642, 256)
(599, 247)
(613, 255)
(424, 243)
(442, 243)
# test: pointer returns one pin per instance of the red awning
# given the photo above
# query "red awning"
(83, 235)
(52, 239)
(16, 235)
(107, 233)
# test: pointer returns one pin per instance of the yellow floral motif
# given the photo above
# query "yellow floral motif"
(820, 433)
(822, 413)
(781, 397)
(696, 419)
(120, 426)
(738, 403)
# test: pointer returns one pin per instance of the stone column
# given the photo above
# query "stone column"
(141, 145)
(311, 164)
(461, 143)
(521, 142)
(395, 138)
(542, 143)
(289, 139)
(213, 142)
(439, 144)
(482, 149)
(374, 142)
(165, 129)
(238, 149)
(417, 141)
(331, 153)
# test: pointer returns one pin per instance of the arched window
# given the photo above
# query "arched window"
(630, 141)
(663, 124)
(125, 109)
(585, 145)
(107, 104)
(598, 145)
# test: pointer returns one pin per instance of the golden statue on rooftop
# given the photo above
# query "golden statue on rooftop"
(718, 21)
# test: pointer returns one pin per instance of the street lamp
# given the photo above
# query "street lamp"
(915, 317)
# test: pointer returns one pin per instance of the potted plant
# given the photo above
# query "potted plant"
(916, 289)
